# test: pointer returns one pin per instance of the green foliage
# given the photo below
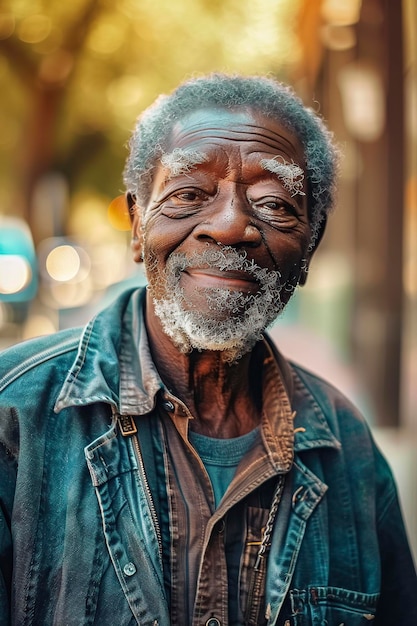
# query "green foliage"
(75, 75)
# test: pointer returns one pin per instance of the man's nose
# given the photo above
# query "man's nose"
(230, 222)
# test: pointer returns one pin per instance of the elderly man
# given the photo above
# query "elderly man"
(167, 466)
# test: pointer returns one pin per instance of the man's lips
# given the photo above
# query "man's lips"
(225, 279)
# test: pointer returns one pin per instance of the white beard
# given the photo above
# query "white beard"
(238, 319)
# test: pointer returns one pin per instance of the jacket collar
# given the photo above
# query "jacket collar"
(114, 365)
(107, 367)
(311, 427)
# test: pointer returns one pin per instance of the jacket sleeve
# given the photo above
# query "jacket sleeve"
(398, 599)
(8, 470)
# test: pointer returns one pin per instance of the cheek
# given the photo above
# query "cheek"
(288, 252)
(162, 236)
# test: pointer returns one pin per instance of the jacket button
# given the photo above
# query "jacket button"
(297, 496)
(129, 569)
(168, 406)
(213, 621)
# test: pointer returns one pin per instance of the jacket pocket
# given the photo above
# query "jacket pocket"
(331, 606)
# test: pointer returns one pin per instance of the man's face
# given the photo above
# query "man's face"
(226, 229)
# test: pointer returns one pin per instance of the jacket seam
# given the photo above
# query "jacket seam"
(303, 385)
(389, 503)
(39, 358)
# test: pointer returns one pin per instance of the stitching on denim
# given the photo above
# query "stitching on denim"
(103, 440)
(388, 505)
(83, 343)
(35, 360)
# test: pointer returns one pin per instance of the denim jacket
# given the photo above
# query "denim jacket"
(78, 539)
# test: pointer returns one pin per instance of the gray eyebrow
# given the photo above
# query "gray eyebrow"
(180, 161)
(290, 174)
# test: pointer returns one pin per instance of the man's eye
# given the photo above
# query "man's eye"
(189, 195)
(276, 211)
(183, 203)
(273, 204)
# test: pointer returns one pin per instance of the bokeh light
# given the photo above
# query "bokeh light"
(118, 213)
(15, 273)
(63, 263)
(34, 28)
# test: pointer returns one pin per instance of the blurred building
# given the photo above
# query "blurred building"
(363, 71)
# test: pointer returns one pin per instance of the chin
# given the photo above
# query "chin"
(226, 321)
(231, 341)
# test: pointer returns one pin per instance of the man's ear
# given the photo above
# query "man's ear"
(135, 213)
(306, 261)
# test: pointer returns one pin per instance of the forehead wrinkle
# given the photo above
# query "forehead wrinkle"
(235, 133)
(181, 160)
(254, 132)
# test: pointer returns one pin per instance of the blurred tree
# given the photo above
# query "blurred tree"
(75, 75)
(42, 58)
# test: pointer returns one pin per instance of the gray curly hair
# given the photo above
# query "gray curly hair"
(269, 97)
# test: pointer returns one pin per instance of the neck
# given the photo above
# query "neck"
(224, 398)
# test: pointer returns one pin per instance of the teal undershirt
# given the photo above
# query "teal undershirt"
(221, 457)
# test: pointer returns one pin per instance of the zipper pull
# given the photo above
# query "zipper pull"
(127, 425)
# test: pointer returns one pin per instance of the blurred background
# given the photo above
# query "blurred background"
(73, 78)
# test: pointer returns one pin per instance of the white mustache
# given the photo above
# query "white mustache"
(224, 259)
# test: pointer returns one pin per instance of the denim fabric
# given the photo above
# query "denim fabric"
(78, 542)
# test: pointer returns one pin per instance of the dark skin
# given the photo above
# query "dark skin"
(230, 200)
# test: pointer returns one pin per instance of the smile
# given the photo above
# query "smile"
(214, 278)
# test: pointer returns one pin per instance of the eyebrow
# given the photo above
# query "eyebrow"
(290, 174)
(180, 161)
